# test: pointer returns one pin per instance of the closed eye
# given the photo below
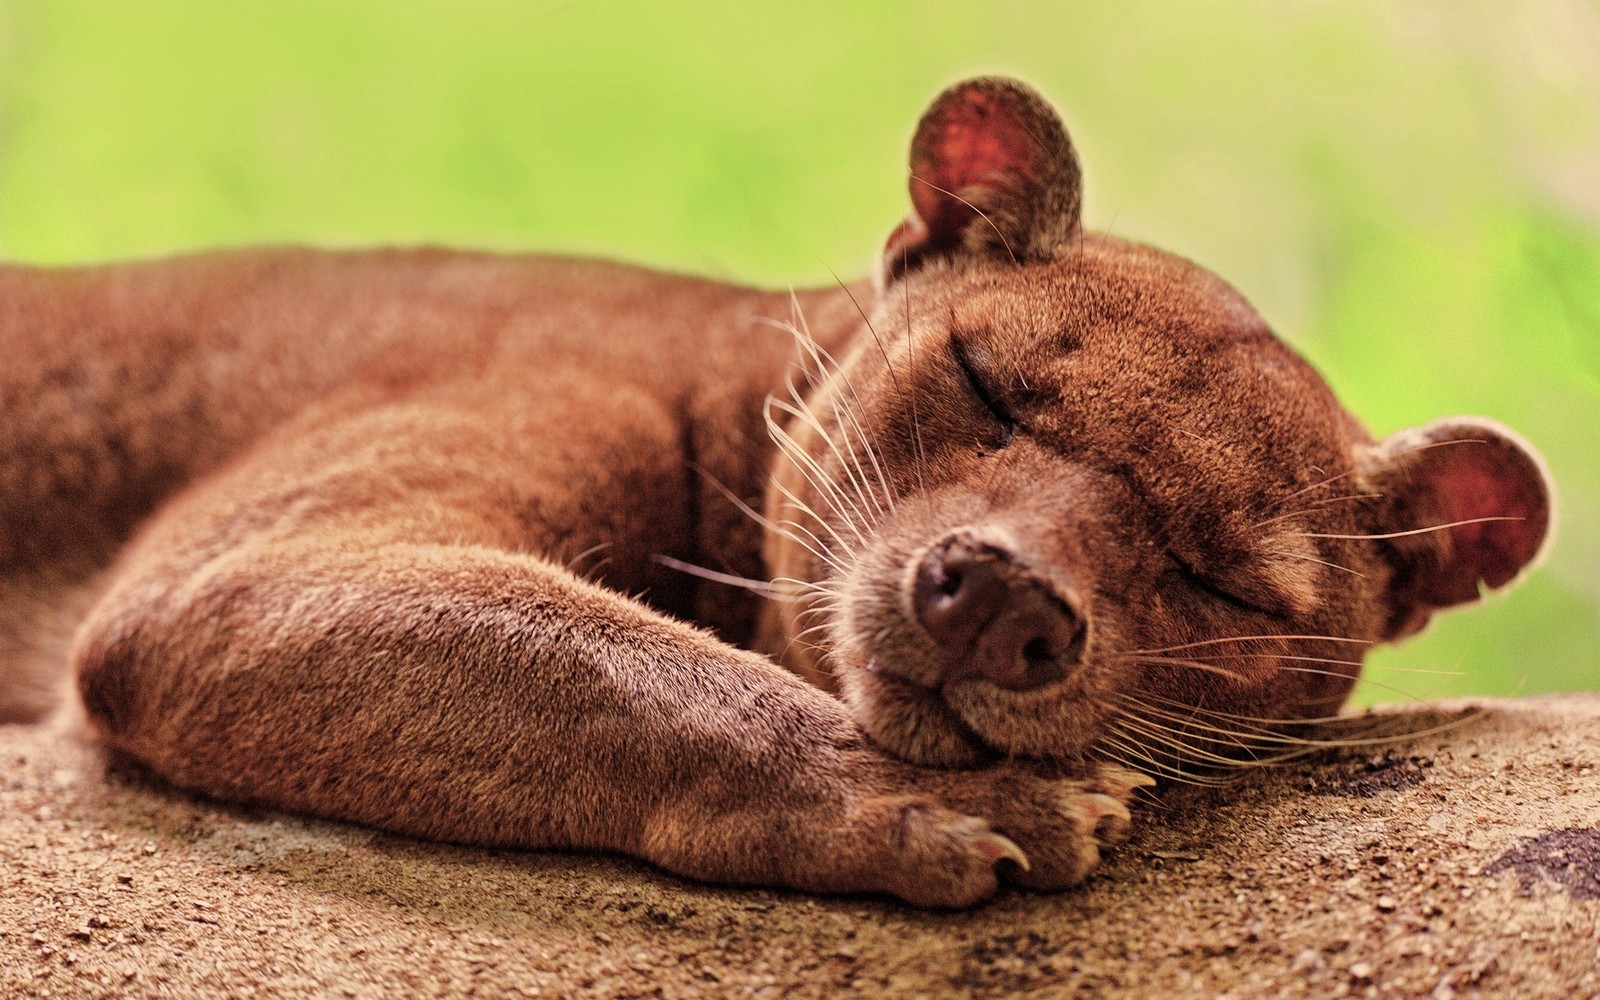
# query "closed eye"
(1207, 586)
(969, 368)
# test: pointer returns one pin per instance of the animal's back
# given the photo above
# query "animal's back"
(123, 383)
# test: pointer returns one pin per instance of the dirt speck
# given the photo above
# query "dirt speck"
(1385, 772)
(1568, 857)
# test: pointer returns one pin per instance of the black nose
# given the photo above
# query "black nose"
(992, 619)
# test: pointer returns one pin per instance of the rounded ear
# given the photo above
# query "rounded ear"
(1464, 502)
(993, 175)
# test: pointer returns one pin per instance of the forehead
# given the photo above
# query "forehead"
(1135, 360)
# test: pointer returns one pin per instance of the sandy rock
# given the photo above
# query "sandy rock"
(1461, 862)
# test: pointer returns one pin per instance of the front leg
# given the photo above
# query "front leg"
(301, 633)
(468, 695)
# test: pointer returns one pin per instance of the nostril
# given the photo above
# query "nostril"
(1037, 651)
(957, 594)
(1032, 642)
(1056, 643)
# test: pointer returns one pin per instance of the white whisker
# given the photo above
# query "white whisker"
(1315, 504)
(1247, 638)
(1314, 559)
(1412, 531)
(808, 467)
(765, 588)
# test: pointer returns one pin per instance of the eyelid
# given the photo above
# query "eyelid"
(970, 368)
(1205, 583)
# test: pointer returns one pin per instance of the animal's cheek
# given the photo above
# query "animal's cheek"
(873, 629)
(1199, 656)
(1059, 722)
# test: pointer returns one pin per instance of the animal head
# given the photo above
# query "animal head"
(1068, 496)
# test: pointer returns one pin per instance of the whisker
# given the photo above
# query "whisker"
(1197, 665)
(809, 464)
(830, 587)
(1312, 508)
(1350, 472)
(1230, 716)
(911, 364)
(1277, 656)
(1176, 741)
(1365, 681)
(572, 564)
(792, 530)
(761, 519)
(1190, 719)
(1325, 501)
(1292, 749)
(802, 636)
(1412, 531)
(798, 408)
(803, 412)
(814, 474)
(765, 588)
(1320, 562)
(842, 412)
(1121, 738)
(981, 214)
(1308, 742)
(894, 376)
(845, 417)
(1347, 663)
(816, 547)
(1231, 675)
(802, 507)
(1248, 638)
(850, 464)
(875, 446)
(1307, 489)
(847, 421)
(1233, 735)
(1128, 746)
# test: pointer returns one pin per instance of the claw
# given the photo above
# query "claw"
(995, 847)
(1107, 818)
(1100, 806)
(1119, 781)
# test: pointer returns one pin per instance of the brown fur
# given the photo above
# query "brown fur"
(399, 537)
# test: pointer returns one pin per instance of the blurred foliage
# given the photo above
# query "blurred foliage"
(1410, 191)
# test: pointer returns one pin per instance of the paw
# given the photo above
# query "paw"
(940, 858)
(1060, 825)
(1085, 822)
(975, 830)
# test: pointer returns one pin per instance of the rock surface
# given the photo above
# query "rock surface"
(1462, 861)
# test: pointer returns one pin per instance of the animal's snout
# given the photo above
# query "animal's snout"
(992, 618)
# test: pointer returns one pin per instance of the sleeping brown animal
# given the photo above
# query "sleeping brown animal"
(896, 587)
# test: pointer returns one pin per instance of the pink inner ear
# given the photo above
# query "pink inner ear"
(1471, 488)
(976, 139)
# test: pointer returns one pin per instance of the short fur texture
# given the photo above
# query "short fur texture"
(440, 542)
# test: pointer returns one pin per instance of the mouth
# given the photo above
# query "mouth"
(914, 722)
(972, 722)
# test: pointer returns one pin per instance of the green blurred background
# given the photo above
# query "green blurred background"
(1409, 191)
